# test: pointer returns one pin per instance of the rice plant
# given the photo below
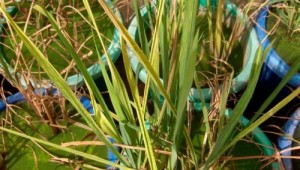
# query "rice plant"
(172, 53)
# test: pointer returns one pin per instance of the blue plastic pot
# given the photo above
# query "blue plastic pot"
(94, 70)
(273, 71)
(285, 142)
(274, 68)
(239, 82)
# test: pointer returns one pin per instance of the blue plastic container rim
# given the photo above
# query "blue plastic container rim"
(94, 70)
(273, 61)
(238, 83)
(285, 142)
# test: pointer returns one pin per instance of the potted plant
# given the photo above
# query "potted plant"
(279, 23)
(276, 29)
(73, 23)
(136, 31)
(288, 142)
(43, 105)
(168, 142)
(246, 49)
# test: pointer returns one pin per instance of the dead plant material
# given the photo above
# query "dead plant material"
(44, 105)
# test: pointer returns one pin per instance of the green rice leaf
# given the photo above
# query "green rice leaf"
(138, 52)
(138, 105)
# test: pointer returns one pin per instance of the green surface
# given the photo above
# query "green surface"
(243, 149)
(20, 153)
(285, 45)
(235, 58)
(75, 28)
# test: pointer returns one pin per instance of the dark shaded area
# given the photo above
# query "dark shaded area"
(296, 162)
(7, 88)
(263, 89)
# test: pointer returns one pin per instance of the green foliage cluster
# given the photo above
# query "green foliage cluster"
(172, 54)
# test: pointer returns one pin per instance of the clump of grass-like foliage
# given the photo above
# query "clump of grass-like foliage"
(167, 144)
